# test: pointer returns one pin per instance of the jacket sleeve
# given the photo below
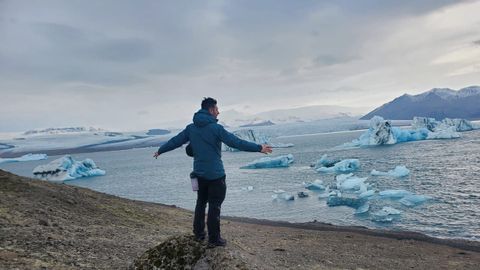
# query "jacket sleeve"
(175, 142)
(235, 142)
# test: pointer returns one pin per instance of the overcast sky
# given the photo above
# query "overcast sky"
(130, 65)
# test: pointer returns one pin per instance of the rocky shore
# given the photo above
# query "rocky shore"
(56, 226)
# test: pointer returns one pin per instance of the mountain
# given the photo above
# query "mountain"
(437, 103)
(301, 114)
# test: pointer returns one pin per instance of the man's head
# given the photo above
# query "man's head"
(210, 105)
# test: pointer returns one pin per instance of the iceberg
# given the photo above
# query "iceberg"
(458, 124)
(66, 168)
(394, 193)
(362, 208)
(385, 214)
(270, 162)
(283, 195)
(338, 200)
(425, 122)
(256, 137)
(399, 171)
(351, 182)
(325, 162)
(344, 166)
(316, 185)
(413, 199)
(366, 194)
(27, 157)
(445, 133)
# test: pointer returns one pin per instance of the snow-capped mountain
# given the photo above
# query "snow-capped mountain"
(302, 114)
(64, 130)
(437, 103)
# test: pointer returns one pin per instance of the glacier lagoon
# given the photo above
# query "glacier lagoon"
(447, 171)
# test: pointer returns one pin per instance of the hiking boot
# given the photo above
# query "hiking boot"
(199, 238)
(219, 243)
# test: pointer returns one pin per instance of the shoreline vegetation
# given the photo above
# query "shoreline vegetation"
(46, 225)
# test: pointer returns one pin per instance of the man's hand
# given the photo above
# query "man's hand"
(156, 154)
(266, 149)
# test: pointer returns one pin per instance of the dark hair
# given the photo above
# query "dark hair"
(208, 103)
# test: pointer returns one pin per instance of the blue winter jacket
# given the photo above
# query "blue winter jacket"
(206, 137)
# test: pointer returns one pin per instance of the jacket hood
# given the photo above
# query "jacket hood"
(203, 118)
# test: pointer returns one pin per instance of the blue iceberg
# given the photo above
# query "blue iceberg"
(344, 166)
(413, 199)
(362, 209)
(269, 162)
(394, 193)
(399, 171)
(66, 168)
(324, 161)
(27, 157)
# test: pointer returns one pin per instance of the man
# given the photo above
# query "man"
(206, 137)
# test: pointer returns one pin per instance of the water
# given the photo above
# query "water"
(448, 170)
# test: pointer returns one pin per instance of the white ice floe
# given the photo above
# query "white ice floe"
(316, 185)
(386, 214)
(270, 162)
(399, 171)
(350, 182)
(282, 195)
(66, 168)
(344, 166)
(445, 133)
(27, 157)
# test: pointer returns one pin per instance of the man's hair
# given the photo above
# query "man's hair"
(208, 103)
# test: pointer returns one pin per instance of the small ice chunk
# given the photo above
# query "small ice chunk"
(344, 166)
(279, 191)
(281, 194)
(367, 194)
(394, 193)
(250, 188)
(66, 168)
(363, 208)
(27, 157)
(413, 199)
(385, 214)
(270, 162)
(325, 162)
(399, 171)
(351, 182)
(302, 194)
(316, 185)
(336, 200)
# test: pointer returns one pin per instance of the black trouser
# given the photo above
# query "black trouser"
(213, 192)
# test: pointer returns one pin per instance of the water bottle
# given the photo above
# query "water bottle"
(194, 180)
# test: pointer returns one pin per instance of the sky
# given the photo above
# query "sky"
(133, 65)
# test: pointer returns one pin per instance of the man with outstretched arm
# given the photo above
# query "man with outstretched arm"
(206, 136)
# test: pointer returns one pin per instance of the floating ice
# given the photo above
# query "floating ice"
(367, 194)
(325, 162)
(394, 193)
(302, 194)
(316, 185)
(413, 199)
(459, 124)
(269, 162)
(256, 137)
(446, 133)
(344, 166)
(283, 195)
(336, 200)
(66, 168)
(385, 214)
(363, 208)
(351, 182)
(249, 188)
(399, 171)
(27, 157)
(424, 122)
